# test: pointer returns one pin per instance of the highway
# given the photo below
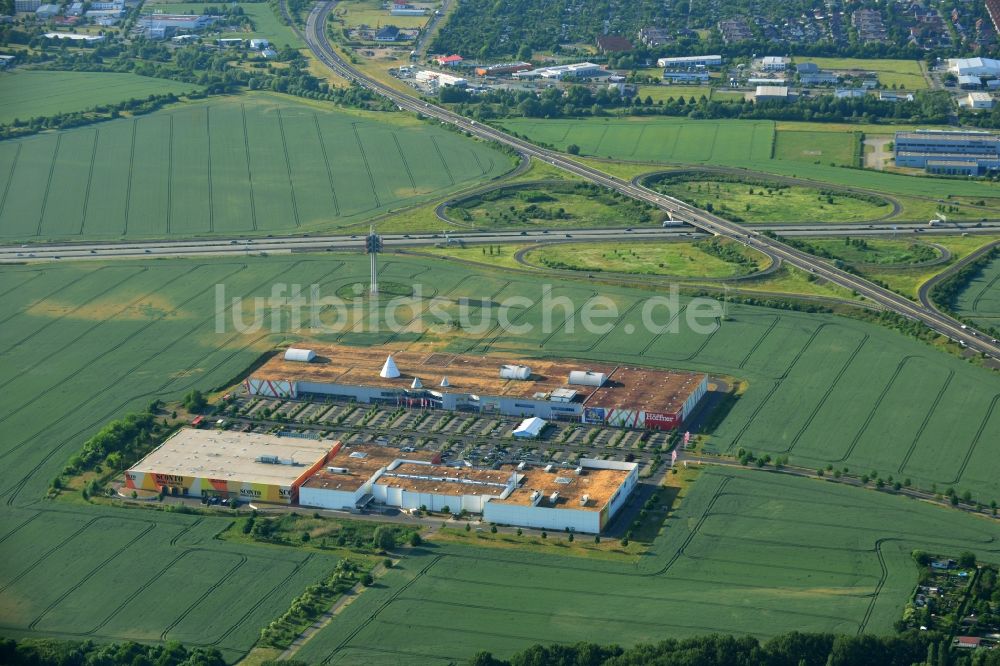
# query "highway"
(316, 39)
(242, 245)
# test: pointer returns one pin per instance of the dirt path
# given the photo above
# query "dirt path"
(876, 159)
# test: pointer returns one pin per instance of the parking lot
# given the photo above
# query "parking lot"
(477, 439)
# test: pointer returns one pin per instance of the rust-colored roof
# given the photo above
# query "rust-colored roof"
(629, 387)
(598, 484)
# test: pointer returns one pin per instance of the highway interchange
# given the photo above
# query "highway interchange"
(316, 40)
(707, 223)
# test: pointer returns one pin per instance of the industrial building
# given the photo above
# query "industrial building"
(439, 79)
(558, 72)
(688, 62)
(774, 63)
(583, 499)
(198, 463)
(771, 94)
(161, 26)
(974, 67)
(976, 101)
(948, 152)
(685, 75)
(559, 390)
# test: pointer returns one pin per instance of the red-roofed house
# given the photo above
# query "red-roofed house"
(968, 642)
(450, 61)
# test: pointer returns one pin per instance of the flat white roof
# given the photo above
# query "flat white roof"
(234, 456)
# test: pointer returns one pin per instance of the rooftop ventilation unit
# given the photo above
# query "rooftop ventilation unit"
(389, 370)
(520, 372)
(548, 468)
(563, 480)
(536, 497)
(338, 470)
(579, 470)
(520, 466)
(587, 378)
(416, 383)
(584, 500)
(358, 454)
(554, 497)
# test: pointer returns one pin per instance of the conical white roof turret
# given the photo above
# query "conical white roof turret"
(416, 383)
(389, 369)
(445, 382)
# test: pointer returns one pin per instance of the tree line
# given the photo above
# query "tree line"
(913, 648)
(928, 107)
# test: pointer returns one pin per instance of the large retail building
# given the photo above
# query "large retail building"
(596, 393)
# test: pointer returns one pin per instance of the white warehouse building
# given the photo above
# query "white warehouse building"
(582, 499)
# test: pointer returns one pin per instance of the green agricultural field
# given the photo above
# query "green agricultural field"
(823, 389)
(678, 259)
(836, 148)
(747, 553)
(572, 205)
(772, 202)
(656, 140)
(248, 165)
(26, 94)
(901, 73)
(980, 300)
(735, 143)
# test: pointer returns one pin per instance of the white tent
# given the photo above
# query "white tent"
(445, 382)
(389, 370)
(416, 383)
(529, 428)
(301, 355)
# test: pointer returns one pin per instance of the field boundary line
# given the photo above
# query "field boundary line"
(326, 161)
(246, 152)
(604, 337)
(111, 285)
(350, 636)
(444, 162)
(759, 342)
(927, 418)
(48, 553)
(406, 166)
(878, 586)
(10, 177)
(241, 560)
(90, 182)
(878, 402)
(299, 566)
(983, 292)
(777, 384)
(657, 337)
(170, 167)
(288, 168)
(46, 297)
(364, 160)
(826, 394)
(37, 274)
(48, 184)
(131, 172)
(190, 526)
(975, 441)
(20, 525)
(80, 582)
(208, 144)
